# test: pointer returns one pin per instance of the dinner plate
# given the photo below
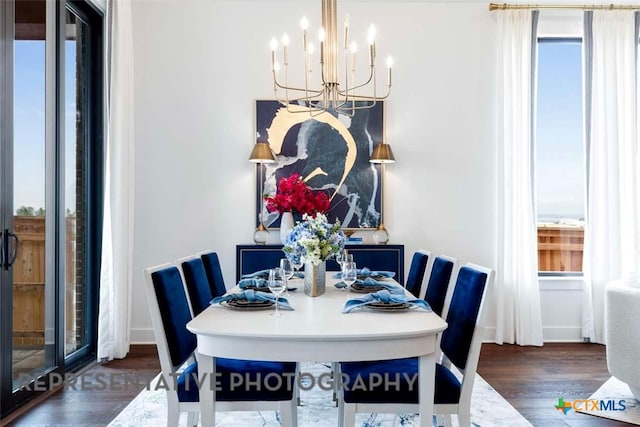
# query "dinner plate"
(371, 276)
(257, 288)
(242, 304)
(364, 289)
(393, 306)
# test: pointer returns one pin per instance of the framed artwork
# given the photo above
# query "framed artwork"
(330, 151)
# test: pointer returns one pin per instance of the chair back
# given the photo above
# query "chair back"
(197, 283)
(438, 285)
(463, 336)
(169, 314)
(214, 273)
(416, 272)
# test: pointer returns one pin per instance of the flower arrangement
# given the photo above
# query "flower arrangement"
(295, 196)
(314, 239)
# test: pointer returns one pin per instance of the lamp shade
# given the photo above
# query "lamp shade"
(382, 154)
(261, 153)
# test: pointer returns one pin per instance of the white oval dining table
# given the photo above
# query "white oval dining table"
(317, 330)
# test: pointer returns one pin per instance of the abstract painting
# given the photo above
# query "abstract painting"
(330, 151)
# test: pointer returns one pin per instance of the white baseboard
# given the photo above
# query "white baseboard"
(549, 334)
(142, 336)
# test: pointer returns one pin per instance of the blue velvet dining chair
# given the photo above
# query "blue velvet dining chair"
(196, 282)
(460, 347)
(417, 269)
(170, 314)
(438, 285)
(214, 273)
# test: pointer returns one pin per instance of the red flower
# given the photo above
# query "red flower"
(295, 196)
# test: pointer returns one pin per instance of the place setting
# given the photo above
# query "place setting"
(260, 294)
(258, 280)
(351, 281)
(385, 301)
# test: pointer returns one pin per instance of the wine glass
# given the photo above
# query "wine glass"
(347, 258)
(287, 271)
(349, 273)
(340, 256)
(296, 262)
(277, 285)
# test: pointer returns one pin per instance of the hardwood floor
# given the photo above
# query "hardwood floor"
(530, 378)
(97, 404)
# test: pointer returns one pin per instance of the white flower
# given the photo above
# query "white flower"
(314, 239)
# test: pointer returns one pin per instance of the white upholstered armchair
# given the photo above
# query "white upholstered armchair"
(623, 332)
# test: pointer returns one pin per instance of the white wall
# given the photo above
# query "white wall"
(199, 67)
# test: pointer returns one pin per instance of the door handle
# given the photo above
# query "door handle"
(11, 256)
(2, 245)
(8, 253)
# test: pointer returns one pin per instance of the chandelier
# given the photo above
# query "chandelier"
(331, 95)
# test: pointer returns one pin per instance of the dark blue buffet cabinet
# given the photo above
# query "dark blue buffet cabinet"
(250, 258)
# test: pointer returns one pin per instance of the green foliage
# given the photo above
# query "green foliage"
(29, 211)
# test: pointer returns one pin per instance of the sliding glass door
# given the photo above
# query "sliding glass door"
(51, 180)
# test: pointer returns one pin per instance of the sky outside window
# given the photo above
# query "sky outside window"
(29, 122)
(560, 176)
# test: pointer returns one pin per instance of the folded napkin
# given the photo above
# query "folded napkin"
(385, 297)
(365, 272)
(252, 282)
(393, 288)
(262, 274)
(251, 295)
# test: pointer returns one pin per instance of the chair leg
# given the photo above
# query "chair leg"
(295, 384)
(192, 419)
(448, 420)
(173, 414)
(349, 414)
(340, 410)
(464, 417)
(289, 413)
(335, 375)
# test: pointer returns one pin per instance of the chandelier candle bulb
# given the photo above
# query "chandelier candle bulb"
(274, 46)
(346, 32)
(389, 65)
(304, 23)
(285, 45)
(321, 37)
(310, 49)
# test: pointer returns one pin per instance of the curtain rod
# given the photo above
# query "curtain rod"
(503, 6)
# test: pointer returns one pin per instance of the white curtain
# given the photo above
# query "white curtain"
(516, 293)
(611, 249)
(117, 239)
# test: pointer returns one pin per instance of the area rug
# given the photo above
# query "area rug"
(615, 390)
(488, 408)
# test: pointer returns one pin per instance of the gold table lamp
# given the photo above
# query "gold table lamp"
(382, 154)
(260, 155)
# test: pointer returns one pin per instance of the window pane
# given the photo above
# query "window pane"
(32, 305)
(75, 184)
(560, 175)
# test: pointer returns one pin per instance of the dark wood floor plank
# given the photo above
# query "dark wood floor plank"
(531, 379)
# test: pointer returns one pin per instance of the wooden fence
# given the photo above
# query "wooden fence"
(560, 248)
(29, 281)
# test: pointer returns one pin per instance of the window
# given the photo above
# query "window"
(559, 157)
